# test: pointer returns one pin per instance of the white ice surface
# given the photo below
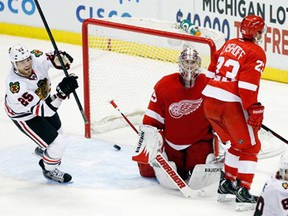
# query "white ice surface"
(105, 181)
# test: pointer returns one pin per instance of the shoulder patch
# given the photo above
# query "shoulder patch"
(36, 53)
(14, 87)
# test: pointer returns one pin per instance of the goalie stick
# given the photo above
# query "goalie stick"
(174, 176)
(60, 58)
(163, 164)
(126, 119)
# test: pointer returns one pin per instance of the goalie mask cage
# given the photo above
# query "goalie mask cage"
(124, 58)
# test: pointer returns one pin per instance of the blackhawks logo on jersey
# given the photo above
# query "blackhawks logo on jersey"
(43, 88)
(14, 87)
(285, 185)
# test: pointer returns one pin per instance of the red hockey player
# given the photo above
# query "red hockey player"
(274, 197)
(33, 109)
(175, 122)
(232, 107)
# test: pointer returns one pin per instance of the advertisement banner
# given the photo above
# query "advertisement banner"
(224, 15)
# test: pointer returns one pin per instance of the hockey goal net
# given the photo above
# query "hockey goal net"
(124, 58)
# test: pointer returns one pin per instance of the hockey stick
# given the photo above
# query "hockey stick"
(163, 164)
(59, 57)
(126, 119)
(274, 133)
(174, 176)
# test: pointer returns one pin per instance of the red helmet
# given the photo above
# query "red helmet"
(251, 25)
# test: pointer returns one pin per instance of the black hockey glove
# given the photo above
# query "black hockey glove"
(67, 86)
(66, 58)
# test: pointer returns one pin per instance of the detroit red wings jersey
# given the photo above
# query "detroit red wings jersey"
(238, 66)
(179, 111)
(274, 199)
(25, 97)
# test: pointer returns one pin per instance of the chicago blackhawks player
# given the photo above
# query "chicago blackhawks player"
(33, 109)
(274, 197)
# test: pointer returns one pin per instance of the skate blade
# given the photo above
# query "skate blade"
(245, 206)
(226, 198)
(52, 182)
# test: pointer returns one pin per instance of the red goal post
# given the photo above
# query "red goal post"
(124, 58)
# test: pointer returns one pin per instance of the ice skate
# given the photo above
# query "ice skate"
(244, 200)
(226, 190)
(55, 175)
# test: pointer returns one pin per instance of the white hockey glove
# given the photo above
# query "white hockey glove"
(66, 58)
(150, 142)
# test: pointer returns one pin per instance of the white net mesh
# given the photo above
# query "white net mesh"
(270, 145)
(124, 65)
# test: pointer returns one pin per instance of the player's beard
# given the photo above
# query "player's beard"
(26, 72)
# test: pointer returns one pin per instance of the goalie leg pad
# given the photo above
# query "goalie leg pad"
(204, 175)
(171, 173)
(162, 177)
(146, 170)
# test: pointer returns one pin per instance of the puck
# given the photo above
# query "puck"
(117, 147)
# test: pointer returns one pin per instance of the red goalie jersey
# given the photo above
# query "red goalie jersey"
(178, 111)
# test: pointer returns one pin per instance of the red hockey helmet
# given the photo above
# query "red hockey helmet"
(251, 25)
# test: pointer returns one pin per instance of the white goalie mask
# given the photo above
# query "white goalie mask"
(189, 63)
(18, 53)
(283, 167)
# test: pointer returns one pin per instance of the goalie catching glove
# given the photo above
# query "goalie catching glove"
(66, 58)
(67, 86)
(150, 142)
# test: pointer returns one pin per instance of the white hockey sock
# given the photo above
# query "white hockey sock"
(53, 154)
